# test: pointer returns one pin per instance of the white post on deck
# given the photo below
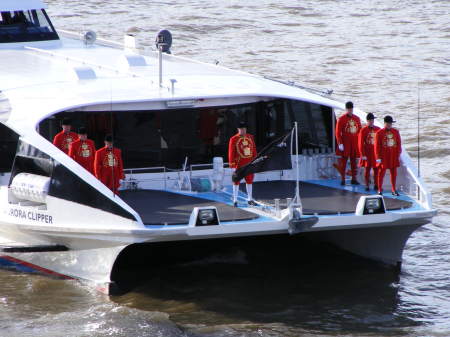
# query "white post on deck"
(297, 169)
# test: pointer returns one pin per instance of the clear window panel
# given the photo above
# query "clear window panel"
(26, 26)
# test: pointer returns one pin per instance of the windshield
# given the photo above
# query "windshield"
(26, 26)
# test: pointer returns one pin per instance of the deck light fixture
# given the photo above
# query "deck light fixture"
(89, 38)
(370, 204)
(204, 216)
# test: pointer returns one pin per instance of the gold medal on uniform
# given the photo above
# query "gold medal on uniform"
(110, 160)
(85, 152)
(68, 141)
(352, 126)
(371, 138)
(390, 140)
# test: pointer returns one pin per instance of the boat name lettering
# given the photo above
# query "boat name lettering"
(30, 215)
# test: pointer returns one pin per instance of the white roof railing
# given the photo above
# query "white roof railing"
(20, 5)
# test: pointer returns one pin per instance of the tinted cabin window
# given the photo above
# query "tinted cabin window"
(167, 137)
(314, 125)
(8, 147)
(26, 26)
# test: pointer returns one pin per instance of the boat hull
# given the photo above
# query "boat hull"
(117, 269)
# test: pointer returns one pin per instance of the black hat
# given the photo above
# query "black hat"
(370, 116)
(109, 138)
(349, 105)
(66, 121)
(389, 119)
(242, 124)
(82, 131)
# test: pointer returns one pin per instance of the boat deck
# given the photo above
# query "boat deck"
(158, 207)
(320, 199)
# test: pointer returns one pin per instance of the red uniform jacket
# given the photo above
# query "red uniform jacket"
(366, 145)
(63, 140)
(347, 130)
(83, 152)
(108, 167)
(388, 147)
(241, 150)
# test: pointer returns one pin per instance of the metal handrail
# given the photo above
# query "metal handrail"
(325, 93)
(422, 194)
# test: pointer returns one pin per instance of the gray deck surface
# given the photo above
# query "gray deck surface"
(316, 198)
(160, 207)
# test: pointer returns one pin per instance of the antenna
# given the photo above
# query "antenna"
(163, 43)
(418, 129)
(112, 135)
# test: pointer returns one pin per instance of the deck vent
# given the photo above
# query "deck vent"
(84, 73)
(5, 107)
(128, 61)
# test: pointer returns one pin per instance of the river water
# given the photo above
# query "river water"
(388, 57)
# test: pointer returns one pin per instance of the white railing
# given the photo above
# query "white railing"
(313, 166)
(417, 189)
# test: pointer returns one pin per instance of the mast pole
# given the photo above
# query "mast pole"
(418, 129)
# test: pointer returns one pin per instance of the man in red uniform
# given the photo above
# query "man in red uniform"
(347, 130)
(108, 165)
(388, 147)
(83, 150)
(241, 151)
(66, 137)
(366, 145)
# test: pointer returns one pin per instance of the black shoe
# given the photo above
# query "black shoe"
(251, 203)
(235, 204)
(395, 194)
(342, 182)
(375, 187)
(380, 192)
(367, 188)
(354, 182)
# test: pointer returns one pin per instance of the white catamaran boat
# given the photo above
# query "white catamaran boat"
(172, 118)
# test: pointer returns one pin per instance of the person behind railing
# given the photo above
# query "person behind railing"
(108, 165)
(63, 139)
(347, 130)
(388, 147)
(241, 151)
(83, 150)
(366, 145)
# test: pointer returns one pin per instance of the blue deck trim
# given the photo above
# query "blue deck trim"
(335, 183)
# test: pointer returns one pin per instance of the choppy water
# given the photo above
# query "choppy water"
(380, 54)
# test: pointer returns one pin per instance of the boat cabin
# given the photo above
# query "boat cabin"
(165, 138)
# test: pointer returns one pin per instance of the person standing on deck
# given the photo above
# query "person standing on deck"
(108, 165)
(241, 151)
(366, 145)
(347, 130)
(388, 147)
(63, 139)
(83, 150)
